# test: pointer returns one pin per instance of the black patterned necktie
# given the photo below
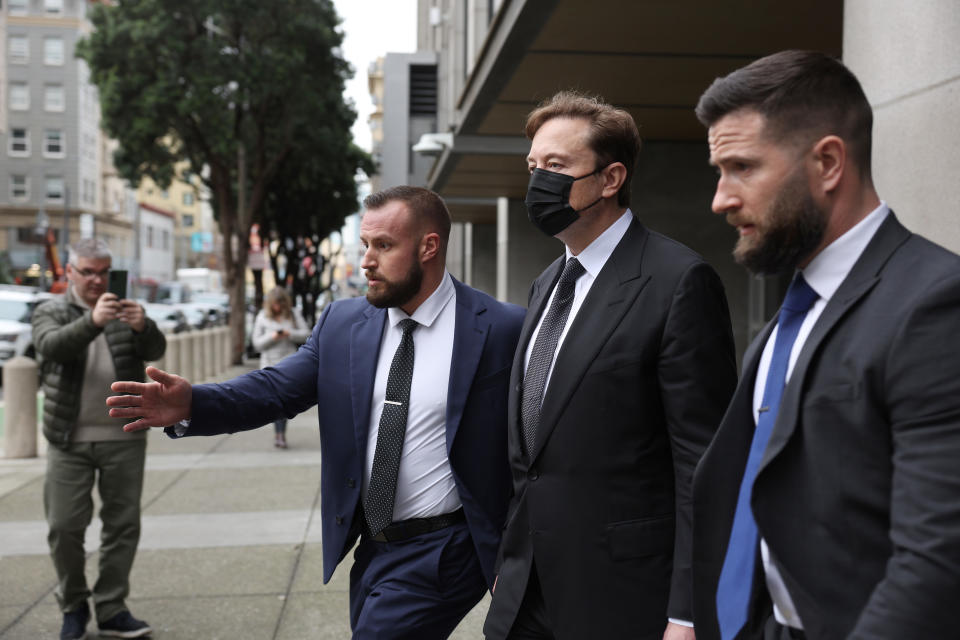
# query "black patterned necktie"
(378, 505)
(541, 359)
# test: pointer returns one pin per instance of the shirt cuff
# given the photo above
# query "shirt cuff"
(682, 623)
(181, 430)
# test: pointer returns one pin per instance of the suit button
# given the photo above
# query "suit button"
(533, 474)
(351, 483)
(339, 520)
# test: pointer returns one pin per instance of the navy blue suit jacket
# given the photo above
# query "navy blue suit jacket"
(335, 370)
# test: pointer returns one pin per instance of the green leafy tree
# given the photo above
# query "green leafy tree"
(249, 92)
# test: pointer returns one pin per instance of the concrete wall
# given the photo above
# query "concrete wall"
(907, 57)
(671, 193)
(398, 165)
(522, 251)
(482, 257)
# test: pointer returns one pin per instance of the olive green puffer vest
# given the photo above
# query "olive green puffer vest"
(62, 332)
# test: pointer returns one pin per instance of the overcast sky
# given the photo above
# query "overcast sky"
(373, 28)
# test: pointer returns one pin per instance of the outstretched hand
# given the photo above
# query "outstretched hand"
(154, 404)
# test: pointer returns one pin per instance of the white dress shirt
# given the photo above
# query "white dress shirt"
(425, 485)
(592, 259)
(824, 274)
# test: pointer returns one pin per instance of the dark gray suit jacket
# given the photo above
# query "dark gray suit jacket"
(639, 386)
(858, 493)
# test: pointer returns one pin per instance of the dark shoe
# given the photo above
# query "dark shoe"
(124, 625)
(75, 624)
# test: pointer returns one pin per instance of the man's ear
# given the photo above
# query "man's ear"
(613, 176)
(429, 246)
(829, 162)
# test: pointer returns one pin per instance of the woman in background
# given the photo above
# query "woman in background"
(277, 332)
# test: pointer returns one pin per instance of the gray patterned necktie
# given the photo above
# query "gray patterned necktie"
(535, 379)
(378, 505)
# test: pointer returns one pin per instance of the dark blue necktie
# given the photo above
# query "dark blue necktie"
(736, 577)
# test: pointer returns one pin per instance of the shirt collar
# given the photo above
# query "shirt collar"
(74, 299)
(428, 311)
(830, 267)
(599, 251)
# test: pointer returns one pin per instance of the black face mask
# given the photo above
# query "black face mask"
(548, 200)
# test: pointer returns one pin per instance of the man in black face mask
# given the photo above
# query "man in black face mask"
(623, 371)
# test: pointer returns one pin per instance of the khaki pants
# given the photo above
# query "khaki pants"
(117, 468)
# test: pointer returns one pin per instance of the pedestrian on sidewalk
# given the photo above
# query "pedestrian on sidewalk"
(411, 390)
(84, 342)
(278, 331)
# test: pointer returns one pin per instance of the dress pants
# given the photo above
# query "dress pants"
(419, 588)
(117, 468)
(532, 622)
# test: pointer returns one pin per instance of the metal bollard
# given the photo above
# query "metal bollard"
(217, 349)
(208, 338)
(172, 357)
(227, 353)
(161, 362)
(20, 416)
(185, 344)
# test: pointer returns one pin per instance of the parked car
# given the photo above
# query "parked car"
(16, 309)
(169, 319)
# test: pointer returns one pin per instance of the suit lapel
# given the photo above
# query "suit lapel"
(365, 337)
(612, 293)
(469, 336)
(862, 278)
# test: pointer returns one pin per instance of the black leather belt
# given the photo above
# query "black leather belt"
(405, 529)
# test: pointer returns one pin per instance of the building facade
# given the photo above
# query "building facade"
(498, 59)
(52, 148)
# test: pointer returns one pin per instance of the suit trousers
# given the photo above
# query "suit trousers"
(532, 622)
(419, 588)
(117, 468)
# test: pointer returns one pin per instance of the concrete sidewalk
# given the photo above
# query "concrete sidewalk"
(230, 545)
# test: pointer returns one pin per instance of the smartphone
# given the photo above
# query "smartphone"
(118, 283)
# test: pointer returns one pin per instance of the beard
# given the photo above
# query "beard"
(793, 228)
(399, 292)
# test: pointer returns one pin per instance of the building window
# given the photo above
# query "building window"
(149, 236)
(187, 220)
(53, 97)
(165, 194)
(166, 240)
(53, 143)
(53, 51)
(18, 7)
(19, 142)
(53, 7)
(19, 96)
(188, 198)
(54, 189)
(19, 187)
(19, 49)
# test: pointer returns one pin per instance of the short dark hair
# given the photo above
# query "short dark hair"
(426, 207)
(613, 133)
(802, 94)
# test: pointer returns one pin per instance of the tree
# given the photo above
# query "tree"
(244, 90)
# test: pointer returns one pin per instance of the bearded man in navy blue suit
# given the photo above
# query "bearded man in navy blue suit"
(428, 562)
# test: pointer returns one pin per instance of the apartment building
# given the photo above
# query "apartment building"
(51, 149)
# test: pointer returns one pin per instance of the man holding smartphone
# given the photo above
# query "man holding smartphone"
(84, 342)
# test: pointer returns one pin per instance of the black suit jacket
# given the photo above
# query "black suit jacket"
(638, 389)
(858, 493)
